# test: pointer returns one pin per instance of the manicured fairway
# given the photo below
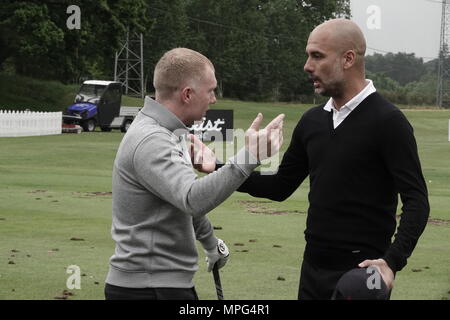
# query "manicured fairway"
(55, 211)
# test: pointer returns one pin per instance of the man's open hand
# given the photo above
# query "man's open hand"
(264, 143)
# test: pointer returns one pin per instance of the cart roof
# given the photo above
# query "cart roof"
(99, 82)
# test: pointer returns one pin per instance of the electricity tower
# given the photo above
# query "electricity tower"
(443, 85)
(129, 65)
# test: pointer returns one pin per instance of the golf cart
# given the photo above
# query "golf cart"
(97, 103)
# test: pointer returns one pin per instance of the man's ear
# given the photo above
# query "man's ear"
(186, 94)
(349, 58)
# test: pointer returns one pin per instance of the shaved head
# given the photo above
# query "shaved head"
(343, 35)
(335, 63)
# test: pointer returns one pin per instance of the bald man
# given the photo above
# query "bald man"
(360, 153)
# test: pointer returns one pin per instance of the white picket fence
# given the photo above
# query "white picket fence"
(29, 123)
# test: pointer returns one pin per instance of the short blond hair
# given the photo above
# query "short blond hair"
(177, 68)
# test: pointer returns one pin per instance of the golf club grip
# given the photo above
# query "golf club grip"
(217, 282)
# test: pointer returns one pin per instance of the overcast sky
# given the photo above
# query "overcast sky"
(411, 26)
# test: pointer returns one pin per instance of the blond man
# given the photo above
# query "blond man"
(159, 203)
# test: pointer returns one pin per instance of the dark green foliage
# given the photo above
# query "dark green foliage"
(257, 46)
(401, 67)
(35, 39)
(403, 78)
(20, 93)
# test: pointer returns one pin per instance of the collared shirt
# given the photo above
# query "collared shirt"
(346, 109)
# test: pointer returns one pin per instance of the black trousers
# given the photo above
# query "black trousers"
(120, 293)
(317, 283)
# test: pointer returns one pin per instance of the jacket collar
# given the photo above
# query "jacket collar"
(163, 116)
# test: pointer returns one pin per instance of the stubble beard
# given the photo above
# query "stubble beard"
(331, 90)
(334, 88)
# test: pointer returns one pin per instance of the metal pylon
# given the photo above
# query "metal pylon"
(443, 85)
(129, 65)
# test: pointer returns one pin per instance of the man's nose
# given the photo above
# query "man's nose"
(308, 67)
(213, 99)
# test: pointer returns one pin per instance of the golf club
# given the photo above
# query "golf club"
(217, 282)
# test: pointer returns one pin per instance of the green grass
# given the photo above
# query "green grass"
(47, 197)
(132, 101)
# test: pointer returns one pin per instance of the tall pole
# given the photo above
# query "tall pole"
(142, 67)
(443, 83)
(127, 61)
(115, 66)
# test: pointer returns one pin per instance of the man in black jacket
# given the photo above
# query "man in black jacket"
(360, 154)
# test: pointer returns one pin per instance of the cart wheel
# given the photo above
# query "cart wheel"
(88, 125)
(126, 125)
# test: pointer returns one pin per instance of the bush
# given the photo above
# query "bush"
(422, 92)
(20, 93)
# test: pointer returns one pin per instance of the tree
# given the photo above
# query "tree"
(291, 22)
(231, 34)
(166, 28)
(422, 92)
(35, 37)
(257, 46)
(402, 67)
(28, 35)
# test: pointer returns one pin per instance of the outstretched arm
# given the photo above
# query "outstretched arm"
(272, 185)
(162, 168)
(292, 171)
